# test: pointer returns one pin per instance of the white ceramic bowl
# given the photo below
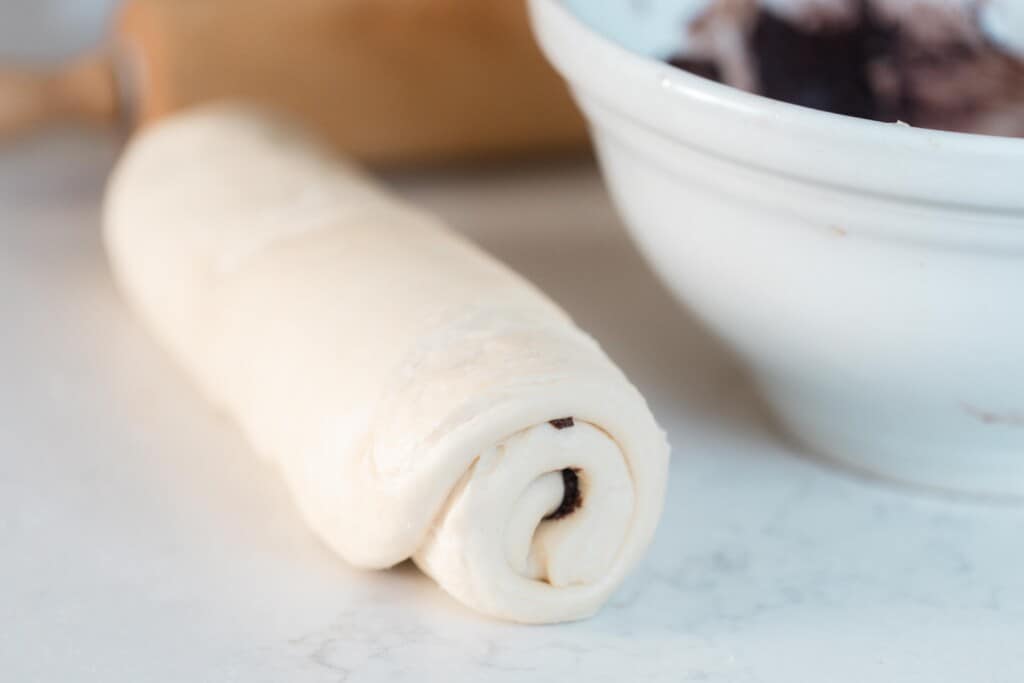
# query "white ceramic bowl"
(871, 275)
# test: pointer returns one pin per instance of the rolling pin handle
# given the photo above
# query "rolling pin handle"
(84, 90)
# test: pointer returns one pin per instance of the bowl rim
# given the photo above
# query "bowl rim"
(573, 47)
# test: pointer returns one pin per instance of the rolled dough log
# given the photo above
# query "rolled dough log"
(404, 381)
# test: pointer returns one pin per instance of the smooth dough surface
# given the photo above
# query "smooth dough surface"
(402, 380)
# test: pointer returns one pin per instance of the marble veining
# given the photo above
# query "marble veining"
(140, 540)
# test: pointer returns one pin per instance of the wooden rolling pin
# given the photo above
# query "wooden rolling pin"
(387, 82)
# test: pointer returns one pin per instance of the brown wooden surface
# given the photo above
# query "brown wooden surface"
(387, 81)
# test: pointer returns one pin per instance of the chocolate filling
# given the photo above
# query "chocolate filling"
(572, 498)
(872, 66)
(698, 67)
(824, 69)
(562, 423)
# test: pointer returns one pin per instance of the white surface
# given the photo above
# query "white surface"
(401, 379)
(142, 542)
(1004, 21)
(869, 274)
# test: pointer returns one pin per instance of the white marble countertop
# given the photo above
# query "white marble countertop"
(140, 540)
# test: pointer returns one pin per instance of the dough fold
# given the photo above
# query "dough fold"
(414, 391)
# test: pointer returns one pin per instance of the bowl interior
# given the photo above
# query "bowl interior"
(611, 53)
(653, 28)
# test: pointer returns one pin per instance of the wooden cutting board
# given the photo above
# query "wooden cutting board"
(390, 82)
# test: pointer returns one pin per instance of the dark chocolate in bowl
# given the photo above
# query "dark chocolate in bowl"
(941, 72)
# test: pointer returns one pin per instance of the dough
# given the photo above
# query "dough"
(404, 382)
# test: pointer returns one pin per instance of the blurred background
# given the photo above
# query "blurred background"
(392, 84)
(47, 31)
